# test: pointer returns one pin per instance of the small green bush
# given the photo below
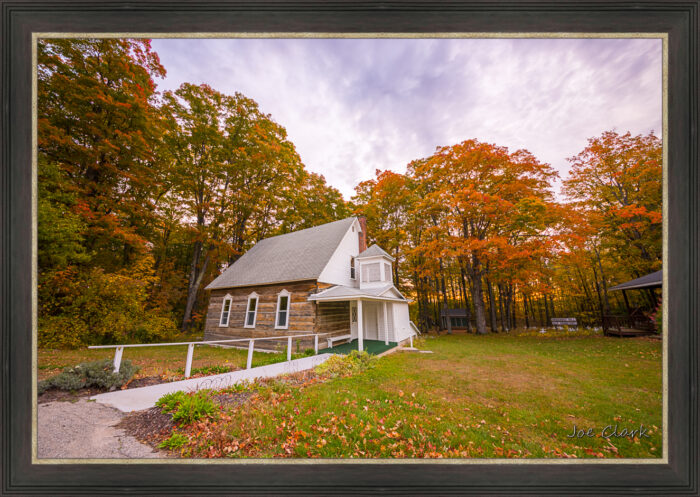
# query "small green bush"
(99, 374)
(188, 408)
(175, 441)
(170, 401)
(354, 362)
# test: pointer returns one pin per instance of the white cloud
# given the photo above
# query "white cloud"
(353, 106)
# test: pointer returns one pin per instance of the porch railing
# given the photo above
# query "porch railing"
(639, 322)
(190, 348)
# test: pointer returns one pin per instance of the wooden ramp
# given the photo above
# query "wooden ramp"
(136, 399)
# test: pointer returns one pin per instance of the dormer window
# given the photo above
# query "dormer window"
(352, 268)
(251, 312)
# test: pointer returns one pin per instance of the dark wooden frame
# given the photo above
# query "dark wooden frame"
(677, 18)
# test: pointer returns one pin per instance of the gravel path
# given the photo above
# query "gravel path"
(85, 429)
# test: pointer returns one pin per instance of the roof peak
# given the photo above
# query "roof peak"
(307, 229)
(295, 256)
(374, 250)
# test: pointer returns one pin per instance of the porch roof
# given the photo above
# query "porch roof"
(340, 292)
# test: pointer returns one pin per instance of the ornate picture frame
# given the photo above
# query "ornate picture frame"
(676, 474)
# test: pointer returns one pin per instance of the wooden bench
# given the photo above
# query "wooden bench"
(561, 322)
(340, 338)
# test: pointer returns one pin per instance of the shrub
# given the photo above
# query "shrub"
(354, 362)
(175, 441)
(98, 307)
(98, 374)
(170, 401)
(188, 408)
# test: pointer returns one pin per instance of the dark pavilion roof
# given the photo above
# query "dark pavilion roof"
(653, 280)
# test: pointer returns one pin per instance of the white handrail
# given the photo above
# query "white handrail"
(199, 343)
(413, 325)
(190, 348)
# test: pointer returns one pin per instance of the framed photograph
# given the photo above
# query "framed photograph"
(349, 248)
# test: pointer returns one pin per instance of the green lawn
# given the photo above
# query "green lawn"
(475, 396)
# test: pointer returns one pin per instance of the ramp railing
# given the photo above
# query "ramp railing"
(190, 348)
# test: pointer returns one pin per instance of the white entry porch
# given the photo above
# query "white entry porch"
(378, 315)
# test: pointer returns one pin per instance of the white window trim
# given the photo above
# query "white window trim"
(229, 299)
(255, 314)
(353, 268)
(283, 293)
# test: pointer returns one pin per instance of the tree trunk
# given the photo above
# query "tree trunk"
(444, 291)
(531, 305)
(504, 327)
(600, 298)
(527, 319)
(467, 307)
(437, 304)
(492, 306)
(479, 307)
(195, 280)
(602, 280)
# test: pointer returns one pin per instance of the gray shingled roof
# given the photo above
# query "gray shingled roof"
(374, 250)
(652, 280)
(301, 255)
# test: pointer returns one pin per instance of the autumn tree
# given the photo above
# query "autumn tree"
(98, 122)
(617, 179)
(231, 164)
(477, 195)
(98, 127)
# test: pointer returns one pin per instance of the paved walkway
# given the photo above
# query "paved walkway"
(136, 399)
(85, 430)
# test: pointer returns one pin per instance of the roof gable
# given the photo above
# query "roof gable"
(392, 292)
(296, 256)
(374, 251)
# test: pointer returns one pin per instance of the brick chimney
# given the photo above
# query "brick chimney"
(362, 235)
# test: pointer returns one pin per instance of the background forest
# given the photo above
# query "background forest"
(145, 197)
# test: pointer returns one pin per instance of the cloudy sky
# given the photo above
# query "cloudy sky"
(355, 105)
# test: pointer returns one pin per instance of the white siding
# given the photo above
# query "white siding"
(370, 320)
(401, 319)
(389, 322)
(337, 271)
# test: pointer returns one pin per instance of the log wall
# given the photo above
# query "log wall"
(304, 316)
